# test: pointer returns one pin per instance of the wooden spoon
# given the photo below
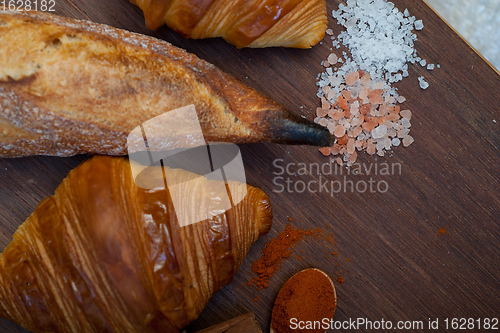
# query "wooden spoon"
(295, 277)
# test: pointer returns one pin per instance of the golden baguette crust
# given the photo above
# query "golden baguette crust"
(103, 255)
(71, 87)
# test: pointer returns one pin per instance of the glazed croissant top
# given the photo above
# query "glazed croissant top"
(243, 23)
(69, 87)
(104, 255)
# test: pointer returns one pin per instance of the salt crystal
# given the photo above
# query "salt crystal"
(405, 122)
(401, 99)
(380, 145)
(423, 83)
(339, 131)
(332, 94)
(345, 122)
(419, 25)
(402, 133)
(406, 114)
(379, 85)
(354, 108)
(325, 151)
(387, 143)
(320, 112)
(423, 62)
(408, 140)
(353, 157)
(324, 103)
(332, 59)
(379, 132)
(397, 127)
(350, 146)
(331, 127)
(329, 32)
(352, 78)
(430, 67)
(396, 142)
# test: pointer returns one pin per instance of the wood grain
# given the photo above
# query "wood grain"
(245, 323)
(428, 247)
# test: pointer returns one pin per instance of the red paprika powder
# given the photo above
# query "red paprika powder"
(307, 300)
(275, 251)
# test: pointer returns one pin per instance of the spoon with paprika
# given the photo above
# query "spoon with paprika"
(305, 303)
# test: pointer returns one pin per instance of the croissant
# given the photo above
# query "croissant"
(243, 23)
(104, 255)
(69, 87)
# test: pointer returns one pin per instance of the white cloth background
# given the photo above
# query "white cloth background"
(478, 21)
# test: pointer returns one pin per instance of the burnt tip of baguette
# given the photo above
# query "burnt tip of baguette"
(295, 130)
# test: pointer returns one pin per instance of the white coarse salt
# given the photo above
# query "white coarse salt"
(423, 83)
(379, 132)
(430, 67)
(419, 25)
(378, 35)
(405, 122)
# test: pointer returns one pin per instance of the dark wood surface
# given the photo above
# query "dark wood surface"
(246, 323)
(395, 262)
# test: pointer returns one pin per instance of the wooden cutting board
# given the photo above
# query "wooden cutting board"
(423, 246)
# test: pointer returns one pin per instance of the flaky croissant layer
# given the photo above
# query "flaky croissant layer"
(104, 255)
(243, 23)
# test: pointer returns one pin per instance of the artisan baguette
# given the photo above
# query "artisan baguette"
(69, 87)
